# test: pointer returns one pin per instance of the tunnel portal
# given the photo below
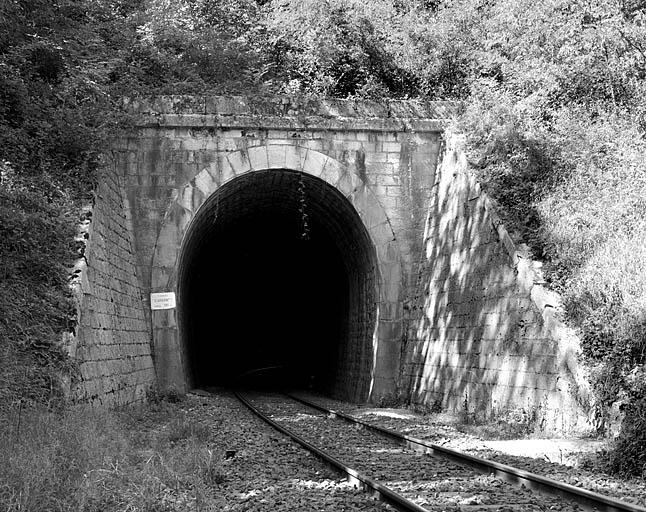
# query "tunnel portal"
(277, 270)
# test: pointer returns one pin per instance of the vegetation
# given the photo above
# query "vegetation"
(555, 119)
(162, 457)
(54, 112)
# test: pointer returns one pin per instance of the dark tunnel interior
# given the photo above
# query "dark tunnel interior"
(275, 270)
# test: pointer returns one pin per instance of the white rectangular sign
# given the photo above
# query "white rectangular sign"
(164, 300)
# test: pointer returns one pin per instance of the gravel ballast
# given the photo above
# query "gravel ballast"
(262, 470)
(432, 482)
(557, 459)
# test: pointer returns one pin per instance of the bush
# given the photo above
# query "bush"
(339, 48)
(628, 455)
(36, 235)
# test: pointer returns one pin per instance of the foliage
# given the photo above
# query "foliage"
(198, 45)
(628, 456)
(55, 114)
(35, 244)
(338, 48)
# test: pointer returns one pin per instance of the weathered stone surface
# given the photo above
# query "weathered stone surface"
(458, 315)
(483, 335)
(354, 147)
(112, 341)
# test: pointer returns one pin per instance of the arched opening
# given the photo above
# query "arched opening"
(255, 293)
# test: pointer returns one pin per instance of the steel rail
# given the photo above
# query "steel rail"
(381, 491)
(589, 500)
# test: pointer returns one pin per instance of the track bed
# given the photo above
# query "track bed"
(431, 482)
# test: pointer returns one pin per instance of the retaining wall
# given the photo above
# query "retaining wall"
(111, 342)
(485, 337)
(468, 325)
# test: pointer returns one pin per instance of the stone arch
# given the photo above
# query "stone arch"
(170, 356)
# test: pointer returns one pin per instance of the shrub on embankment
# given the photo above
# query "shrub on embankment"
(54, 115)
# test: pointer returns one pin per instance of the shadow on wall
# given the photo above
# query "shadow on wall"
(486, 338)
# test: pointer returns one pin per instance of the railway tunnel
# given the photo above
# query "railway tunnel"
(278, 270)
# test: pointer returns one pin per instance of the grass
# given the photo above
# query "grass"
(148, 458)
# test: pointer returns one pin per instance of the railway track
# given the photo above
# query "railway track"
(414, 475)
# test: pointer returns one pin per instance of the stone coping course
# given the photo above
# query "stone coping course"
(292, 112)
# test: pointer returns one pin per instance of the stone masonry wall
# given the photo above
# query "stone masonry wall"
(485, 337)
(112, 339)
(467, 326)
(391, 148)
